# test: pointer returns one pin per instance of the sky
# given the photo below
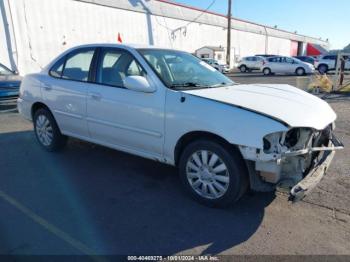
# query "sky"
(328, 19)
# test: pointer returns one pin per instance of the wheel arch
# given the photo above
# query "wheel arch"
(267, 67)
(198, 135)
(299, 67)
(38, 105)
(322, 64)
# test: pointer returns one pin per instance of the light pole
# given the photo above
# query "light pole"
(229, 20)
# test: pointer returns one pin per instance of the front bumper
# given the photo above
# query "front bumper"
(24, 108)
(310, 70)
(310, 181)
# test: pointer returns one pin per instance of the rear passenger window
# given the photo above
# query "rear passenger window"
(78, 65)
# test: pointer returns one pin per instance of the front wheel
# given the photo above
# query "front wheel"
(300, 71)
(47, 132)
(323, 69)
(243, 69)
(267, 71)
(213, 174)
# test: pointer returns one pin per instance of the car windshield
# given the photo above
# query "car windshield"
(5, 71)
(180, 70)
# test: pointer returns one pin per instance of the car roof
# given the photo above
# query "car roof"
(126, 46)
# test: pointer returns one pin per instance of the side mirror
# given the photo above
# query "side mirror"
(138, 84)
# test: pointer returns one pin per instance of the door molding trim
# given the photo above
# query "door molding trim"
(69, 114)
(132, 129)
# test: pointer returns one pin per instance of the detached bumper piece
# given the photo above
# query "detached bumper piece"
(304, 187)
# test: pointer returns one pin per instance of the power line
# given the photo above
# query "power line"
(173, 31)
(203, 12)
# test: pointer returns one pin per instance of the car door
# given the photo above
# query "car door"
(287, 65)
(118, 117)
(258, 62)
(274, 64)
(64, 90)
(247, 62)
(292, 65)
(347, 64)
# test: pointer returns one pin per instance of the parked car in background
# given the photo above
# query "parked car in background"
(250, 63)
(9, 83)
(327, 63)
(222, 68)
(286, 65)
(219, 134)
(306, 59)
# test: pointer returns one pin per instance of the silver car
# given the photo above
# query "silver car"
(286, 65)
(250, 63)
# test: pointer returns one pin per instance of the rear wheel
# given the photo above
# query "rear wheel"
(323, 69)
(243, 68)
(213, 174)
(267, 71)
(47, 132)
(300, 71)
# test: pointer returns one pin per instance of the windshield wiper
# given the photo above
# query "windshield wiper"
(188, 84)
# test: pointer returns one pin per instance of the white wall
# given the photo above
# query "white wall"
(278, 46)
(247, 44)
(44, 29)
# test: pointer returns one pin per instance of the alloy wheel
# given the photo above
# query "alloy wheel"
(44, 130)
(300, 72)
(207, 174)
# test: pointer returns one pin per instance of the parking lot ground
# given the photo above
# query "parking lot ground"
(259, 78)
(90, 199)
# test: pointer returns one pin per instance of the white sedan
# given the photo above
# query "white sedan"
(171, 107)
(286, 65)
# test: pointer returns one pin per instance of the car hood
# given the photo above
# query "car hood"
(284, 103)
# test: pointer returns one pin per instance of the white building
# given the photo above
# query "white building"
(213, 52)
(33, 32)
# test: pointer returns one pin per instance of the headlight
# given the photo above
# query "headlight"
(272, 143)
(295, 138)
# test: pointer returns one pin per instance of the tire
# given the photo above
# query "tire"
(300, 71)
(243, 68)
(323, 69)
(219, 183)
(267, 71)
(47, 132)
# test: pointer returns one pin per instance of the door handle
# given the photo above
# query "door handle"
(47, 87)
(95, 96)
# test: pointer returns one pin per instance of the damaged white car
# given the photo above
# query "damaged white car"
(169, 106)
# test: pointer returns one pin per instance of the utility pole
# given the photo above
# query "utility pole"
(229, 20)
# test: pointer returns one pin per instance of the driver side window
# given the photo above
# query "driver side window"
(115, 65)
